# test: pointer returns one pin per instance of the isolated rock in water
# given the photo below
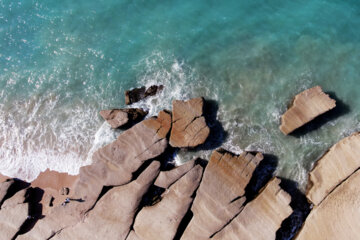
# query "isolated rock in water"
(137, 94)
(334, 167)
(161, 221)
(306, 106)
(119, 117)
(220, 196)
(166, 178)
(114, 213)
(262, 217)
(338, 216)
(12, 215)
(189, 127)
(113, 165)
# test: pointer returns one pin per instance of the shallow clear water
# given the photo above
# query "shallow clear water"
(63, 61)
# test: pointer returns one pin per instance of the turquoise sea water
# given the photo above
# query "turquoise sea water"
(63, 61)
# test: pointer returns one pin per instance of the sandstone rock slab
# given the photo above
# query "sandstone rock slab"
(306, 106)
(189, 127)
(119, 117)
(331, 169)
(262, 217)
(220, 196)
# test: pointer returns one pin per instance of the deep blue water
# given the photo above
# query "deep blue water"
(63, 61)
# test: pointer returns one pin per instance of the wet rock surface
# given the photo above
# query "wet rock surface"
(138, 94)
(121, 117)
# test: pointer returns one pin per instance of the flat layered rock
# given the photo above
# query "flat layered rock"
(306, 106)
(262, 217)
(13, 214)
(113, 165)
(336, 165)
(138, 94)
(338, 216)
(161, 221)
(114, 213)
(220, 196)
(119, 117)
(189, 127)
(4, 187)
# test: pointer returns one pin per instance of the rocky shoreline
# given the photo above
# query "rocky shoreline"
(132, 192)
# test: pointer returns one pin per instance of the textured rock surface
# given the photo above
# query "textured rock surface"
(137, 94)
(338, 216)
(189, 127)
(220, 196)
(166, 178)
(4, 187)
(262, 217)
(113, 165)
(13, 214)
(306, 106)
(113, 215)
(119, 117)
(161, 221)
(335, 166)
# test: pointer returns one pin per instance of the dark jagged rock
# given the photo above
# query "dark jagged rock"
(189, 127)
(113, 214)
(161, 221)
(137, 94)
(220, 196)
(120, 117)
(261, 218)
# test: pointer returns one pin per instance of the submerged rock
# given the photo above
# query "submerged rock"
(306, 106)
(119, 117)
(137, 94)
(262, 217)
(189, 127)
(335, 166)
(161, 221)
(337, 216)
(220, 196)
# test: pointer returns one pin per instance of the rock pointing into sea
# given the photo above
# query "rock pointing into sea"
(306, 106)
(138, 94)
(119, 117)
(262, 217)
(220, 196)
(189, 127)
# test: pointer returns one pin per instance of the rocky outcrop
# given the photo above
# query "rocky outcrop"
(306, 106)
(113, 165)
(138, 94)
(334, 167)
(4, 187)
(189, 127)
(120, 117)
(113, 214)
(262, 217)
(161, 221)
(338, 216)
(220, 196)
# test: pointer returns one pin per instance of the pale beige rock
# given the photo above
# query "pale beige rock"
(133, 236)
(189, 127)
(4, 187)
(261, 218)
(112, 165)
(221, 193)
(166, 178)
(161, 221)
(18, 198)
(335, 166)
(338, 216)
(119, 117)
(306, 106)
(113, 215)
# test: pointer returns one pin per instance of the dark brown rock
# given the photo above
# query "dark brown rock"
(137, 94)
(119, 117)
(189, 127)
(220, 196)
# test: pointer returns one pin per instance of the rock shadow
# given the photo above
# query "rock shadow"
(340, 110)
(261, 176)
(217, 133)
(15, 187)
(301, 209)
